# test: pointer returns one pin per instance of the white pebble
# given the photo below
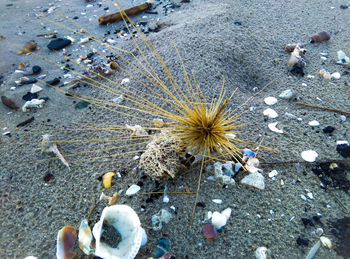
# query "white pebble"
(270, 100)
(35, 89)
(314, 123)
(286, 94)
(110, 41)
(272, 127)
(132, 190)
(309, 155)
(335, 75)
(255, 180)
(342, 142)
(125, 81)
(303, 84)
(217, 201)
(273, 173)
(270, 113)
(310, 195)
(342, 117)
(303, 197)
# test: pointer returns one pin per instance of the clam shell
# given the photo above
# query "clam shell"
(125, 220)
(85, 237)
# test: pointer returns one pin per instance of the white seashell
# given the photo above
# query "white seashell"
(124, 220)
(342, 57)
(227, 212)
(217, 201)
(85, 237)
(309, 155)
(34, 103)
(336, 75)
(286, 94)
(132, 190)
(35, 89)
(209, 214)
(218, 220)
(270, 100)
(310, 195)
(270, 113)
(261, 253)
(327, 76)
(110, 41)
(118, 99)
(314, 123)
(326, 242)
(272, 127)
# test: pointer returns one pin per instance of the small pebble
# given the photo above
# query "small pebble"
(270, 113)
(328, 129)
(272, 127)
(273, 173)
(314, 123)
(309, 155)
(303, 197)
(336, 75)
(261, 253)
(255, 180)
(217, 201)
(270, 100)
(132, 190)
(36, 70)
(58, 44)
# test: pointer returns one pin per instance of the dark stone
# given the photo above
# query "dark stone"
(237, 23)
(201, 204)
(54, 81)
(297, 70)
(75, 17)
(29, 96)
(302, 241)
(328, 129)
(48, 177)
(110, 235)
(58, 44)
(106, 8)
(89, 55)
(307, 222)
(28, 81)
(36, 70)
(336, 177)
(8, 5)
(343, 6)
(25, 122)
(344, 150)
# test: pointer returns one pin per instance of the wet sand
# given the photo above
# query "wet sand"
(211, 45)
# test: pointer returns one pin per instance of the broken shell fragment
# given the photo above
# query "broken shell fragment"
(261, 253)
(320, 37)
(48, 146)
(107, 179)
(66, 239)
(296, 57)
(85, 238)
(34, 103)
(121, 225)
(270, 113)
(270, 100)
(137, 130)
(110, 200)
(272, 127)
(28, 47)
(9, 103)
(309, 155)
(132, 190)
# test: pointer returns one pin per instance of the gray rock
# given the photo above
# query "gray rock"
(254, 179)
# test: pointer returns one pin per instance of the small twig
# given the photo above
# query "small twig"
(346, 210)
(168, 193)
(324, 108)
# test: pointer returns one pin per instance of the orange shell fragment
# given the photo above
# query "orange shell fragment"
(107, 179)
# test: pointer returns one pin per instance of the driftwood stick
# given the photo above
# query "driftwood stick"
(114, 17)
(324, 108)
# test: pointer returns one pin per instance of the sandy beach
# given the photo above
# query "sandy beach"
(239, 41)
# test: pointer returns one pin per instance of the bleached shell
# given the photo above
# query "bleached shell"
(270, 113)
(217, 201)
(261, 253)
(85, 237)
(270, 100)
(309, 155)
(326, 242)
(314, 123)
(336, 75)
(218, 220)
(34, 103)
(132, 190)
(272, 127)
(125, 220)
(273, 173)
